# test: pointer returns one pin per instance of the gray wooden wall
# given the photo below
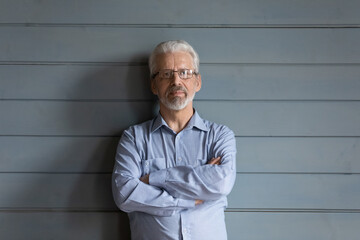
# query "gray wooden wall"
(284, 75)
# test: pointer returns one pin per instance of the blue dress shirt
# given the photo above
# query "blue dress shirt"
(179, 174)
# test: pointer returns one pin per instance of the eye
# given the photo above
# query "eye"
(183, 72)
(167, 73)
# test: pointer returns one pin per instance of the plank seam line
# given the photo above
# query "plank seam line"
(228, 210)
(145, 64)
(154, 100)
(292, 210)
(118, 136)
(238, 173)
(189, 26)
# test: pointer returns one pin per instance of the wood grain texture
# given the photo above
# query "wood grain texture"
(55, 154)
(298, 155)
(222, 45)
(58, 154)
(240, 225)
(295, 226)
(189, 12)
(251, 191)
(269, 118)
(284, 75)
(220, 82)
(64, 225)
(296, 191)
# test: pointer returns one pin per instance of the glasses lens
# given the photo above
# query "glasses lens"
(183, 73)
(166, 73)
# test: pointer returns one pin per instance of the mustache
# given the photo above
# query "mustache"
(176, 88)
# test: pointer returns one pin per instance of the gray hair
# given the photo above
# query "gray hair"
(170, 47)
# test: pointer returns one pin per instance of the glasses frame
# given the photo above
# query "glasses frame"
(192, 72)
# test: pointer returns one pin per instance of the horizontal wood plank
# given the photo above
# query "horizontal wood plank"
(298, 155)
(273, 118)
(71, 118)
(239, 45)
(56, 191)
(75, 82)
(251, 191)
(294, 226)
(64, 225)
(254, 154)
(269, 118)
(58, 154)
(114, 225)
(220, 82)
(298, 191)
(168, 12)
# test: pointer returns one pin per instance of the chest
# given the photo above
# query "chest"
(165, 149)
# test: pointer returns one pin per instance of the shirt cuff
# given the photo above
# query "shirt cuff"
(186, 203)
(158, 178)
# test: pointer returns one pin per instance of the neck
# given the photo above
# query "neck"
(177, 119)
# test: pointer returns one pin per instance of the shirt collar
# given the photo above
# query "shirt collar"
(195, 121)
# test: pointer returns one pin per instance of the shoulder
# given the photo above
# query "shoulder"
(140, 129)
(218, 130)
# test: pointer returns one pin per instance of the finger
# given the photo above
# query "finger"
(145, 179)
(218, 161)
(197, 202)
(215, 161)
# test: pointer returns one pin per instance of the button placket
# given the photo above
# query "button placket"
(178, 158)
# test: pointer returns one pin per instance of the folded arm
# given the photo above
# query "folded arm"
(206, 182)
(130, 194)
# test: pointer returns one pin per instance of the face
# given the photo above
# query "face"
(175, 93)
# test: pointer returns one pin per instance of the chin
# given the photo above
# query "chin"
(175, 105)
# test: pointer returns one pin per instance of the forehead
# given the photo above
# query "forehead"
(174, 60)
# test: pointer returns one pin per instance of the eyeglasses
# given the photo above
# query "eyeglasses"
(169, 73)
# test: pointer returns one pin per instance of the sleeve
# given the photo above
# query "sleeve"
(206, 182)
(130, 194)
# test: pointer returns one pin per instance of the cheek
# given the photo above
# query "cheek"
(195, 87)
(159, 89)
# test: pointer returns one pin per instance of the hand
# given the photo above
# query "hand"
(197, 202)
(145, 178)
(215, 161)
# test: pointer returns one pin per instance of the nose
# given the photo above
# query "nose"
(176, 80)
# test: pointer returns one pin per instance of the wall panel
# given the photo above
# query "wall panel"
(284, 75)
(16, 225)
(220, 82)
(255, 154)
(251, 191)
(295, 226)
(222, 45)
(109, 118)
(240, 225)
(189, 12)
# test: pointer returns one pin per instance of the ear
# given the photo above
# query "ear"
(198, 83)
(153, 87)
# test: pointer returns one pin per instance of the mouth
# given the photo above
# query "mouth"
(177, 93)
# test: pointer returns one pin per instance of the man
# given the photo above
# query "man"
(172, 174)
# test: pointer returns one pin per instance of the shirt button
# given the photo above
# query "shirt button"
(185, 231)
(146, 163)
(179, 159)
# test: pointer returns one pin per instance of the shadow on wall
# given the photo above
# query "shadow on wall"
(113, 97)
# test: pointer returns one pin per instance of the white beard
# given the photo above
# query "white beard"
(177, 103)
